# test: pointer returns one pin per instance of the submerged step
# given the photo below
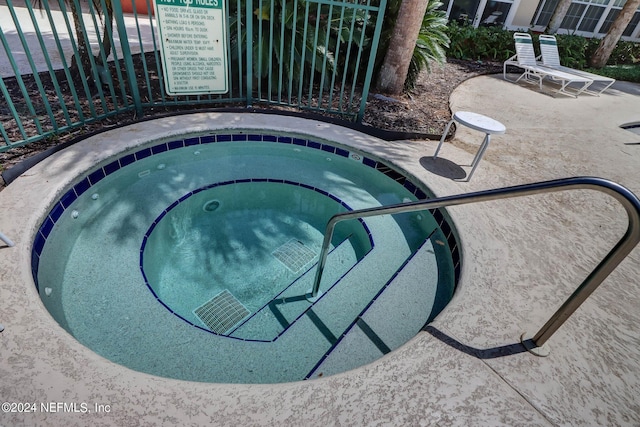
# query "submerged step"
(397, 314)
(275, 317)
(348, 287)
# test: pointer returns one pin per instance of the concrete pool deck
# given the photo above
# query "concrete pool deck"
(521, 260)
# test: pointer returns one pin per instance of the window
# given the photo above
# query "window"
(495, 12)
(571, 19)
(632, 25)
(613, 14)
(463, 10)
(591, 18)
(544, 12)
(445, 5)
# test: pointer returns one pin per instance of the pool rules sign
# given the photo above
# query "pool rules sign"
(193, 46)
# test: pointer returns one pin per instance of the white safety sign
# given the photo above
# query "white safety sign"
(193, 46)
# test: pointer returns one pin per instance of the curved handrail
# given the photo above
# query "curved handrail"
(624, 246)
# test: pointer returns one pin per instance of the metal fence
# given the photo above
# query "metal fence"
(313, 55)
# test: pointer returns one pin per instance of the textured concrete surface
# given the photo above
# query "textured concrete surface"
(522, 258)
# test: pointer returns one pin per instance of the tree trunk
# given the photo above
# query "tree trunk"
(558, 15)
(393, 72)
(107, 29)
(608, 43)
(83, 49)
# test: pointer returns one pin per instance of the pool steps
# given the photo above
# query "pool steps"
(285, 308)
(375, 331)
(329, 330)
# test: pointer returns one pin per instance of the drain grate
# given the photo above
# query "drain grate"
(221, 312)
(294, 255)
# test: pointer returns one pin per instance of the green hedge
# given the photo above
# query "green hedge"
(496, 44)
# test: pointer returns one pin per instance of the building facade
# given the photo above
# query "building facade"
(589, 18)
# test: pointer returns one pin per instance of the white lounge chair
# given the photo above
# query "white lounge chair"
(525, 58)
(551, 58)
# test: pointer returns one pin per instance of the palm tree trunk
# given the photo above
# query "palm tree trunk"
(394, 69)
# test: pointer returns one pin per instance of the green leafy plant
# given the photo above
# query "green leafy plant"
(482, 43)
(572, 50)
(293, 41)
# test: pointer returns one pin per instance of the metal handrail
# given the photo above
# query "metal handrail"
(624, 246)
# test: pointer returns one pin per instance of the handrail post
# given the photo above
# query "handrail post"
(322, 260)
(624, 246)
(586, 288)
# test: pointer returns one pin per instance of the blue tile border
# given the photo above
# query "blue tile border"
(67, 199)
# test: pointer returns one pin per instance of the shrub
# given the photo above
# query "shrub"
(628, 73)
(482, 43)
(573, 50)
(496, 44)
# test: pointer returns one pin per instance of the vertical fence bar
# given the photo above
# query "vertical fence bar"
(239, 46)
(93, 72)
(76, 55)
(345, 71)
(52, 75)
(249, 53)
(327, 52)
(281, 62)
(159, 71)
(116, 62)
(359, 57)
(227, 18)
(336, 59)
(65, 67)
(95, 68)
(34, 70)
(260, 41)
(128, 60)
(271, 50)
(372, 59)
(143, 56)
(304, 51)
(11, 105)
(292, 51)
(314, 52)
(101, 70)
